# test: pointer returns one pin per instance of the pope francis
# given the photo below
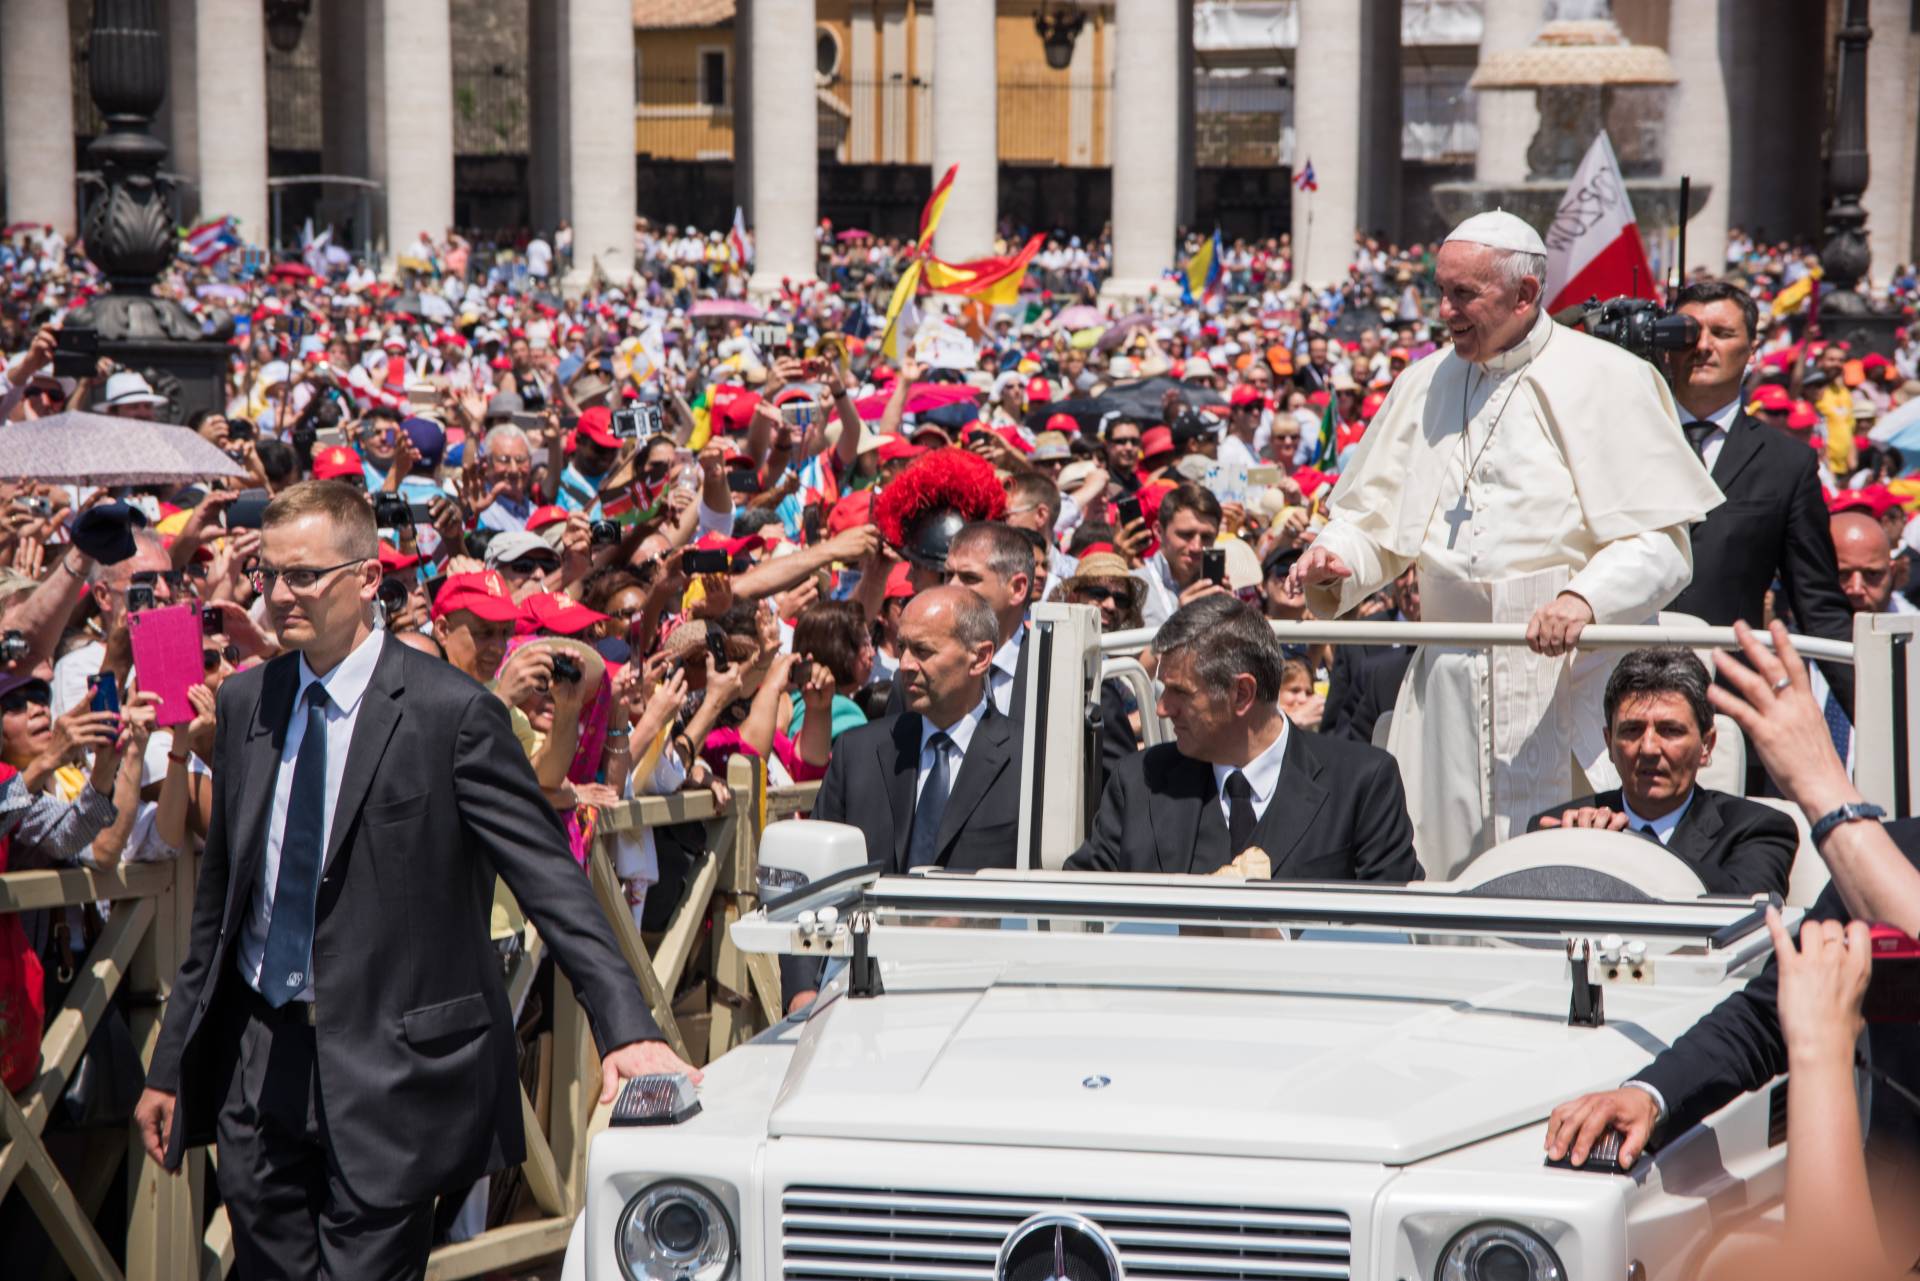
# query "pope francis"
(1531, 473)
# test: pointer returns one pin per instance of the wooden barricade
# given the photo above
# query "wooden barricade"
(145, 940)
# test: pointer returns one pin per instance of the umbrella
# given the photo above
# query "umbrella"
(724, 309)
(1079, 316)
(1123, 329)
(290, 271)
(923, 397)
(221, 292)
(92, 449)
(1900, 429)
(405, 304)
(854, 233)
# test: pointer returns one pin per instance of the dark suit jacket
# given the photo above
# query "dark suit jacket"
(870, 785)
(1774, 522)
(1363, 686)
(1738, 1046)
(415, 1041)
(1339, 814)
(1735, 845)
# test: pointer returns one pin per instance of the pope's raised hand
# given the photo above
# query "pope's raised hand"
(1317, 567)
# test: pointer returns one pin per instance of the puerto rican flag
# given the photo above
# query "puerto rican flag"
(1593, 247)
(1305, 179)
(207, 242)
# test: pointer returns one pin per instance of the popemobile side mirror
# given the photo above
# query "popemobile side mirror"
(795, 853)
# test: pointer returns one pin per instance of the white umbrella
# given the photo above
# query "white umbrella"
(94, 449)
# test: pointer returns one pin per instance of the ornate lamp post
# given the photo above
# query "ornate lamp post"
(129, 226)
(1846, 313)
(1058, 30)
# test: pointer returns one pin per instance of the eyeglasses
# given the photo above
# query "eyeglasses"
(299, 581)
(17, 699)
(212, 657)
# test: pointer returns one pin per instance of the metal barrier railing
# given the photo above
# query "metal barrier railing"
(1598, 636)
(145, 940)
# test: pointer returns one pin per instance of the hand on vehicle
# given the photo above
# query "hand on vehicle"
(1555, 627)
(640, 1058)
(1577, 1125)
(1594, 816)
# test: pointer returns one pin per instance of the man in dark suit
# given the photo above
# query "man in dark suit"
(1774, 522)
(339, 1026)
(937, 785)
(1738, 1046)
(1365, 681)
(1659, 732)
(1239, 779)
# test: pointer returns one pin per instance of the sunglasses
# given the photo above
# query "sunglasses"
(212, 657)
(527, 566)
(17, 699)
(1100, 595)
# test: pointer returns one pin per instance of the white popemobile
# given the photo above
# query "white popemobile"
(1037, 1074)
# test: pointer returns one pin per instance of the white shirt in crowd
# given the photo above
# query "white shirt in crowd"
(346, 687)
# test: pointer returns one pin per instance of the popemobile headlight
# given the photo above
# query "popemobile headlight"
(1498, 1252)
(675, 1231)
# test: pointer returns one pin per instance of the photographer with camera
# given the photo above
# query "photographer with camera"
(1774, 523)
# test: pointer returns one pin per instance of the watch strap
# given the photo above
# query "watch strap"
(1852, 811)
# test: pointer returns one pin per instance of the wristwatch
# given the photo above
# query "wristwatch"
(1851, 812)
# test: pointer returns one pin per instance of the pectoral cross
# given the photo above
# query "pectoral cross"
(1457, 517)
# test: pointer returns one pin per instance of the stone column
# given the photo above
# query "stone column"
(786, 145)
(1183, 209)
(1327, 133)
(1145, 145)
(1893, 76)
(966, 128)
(410, 118)
(1508, 118)
(179, 120)
(230, 72)
(36, 79)
(345, 147)
(600, 101)
(547, 176)
(1700, 141)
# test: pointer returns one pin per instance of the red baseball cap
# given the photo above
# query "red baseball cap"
(1039, 391)
(1371, 405)
(1064, 423)
(731, 546)
(900, 582)
(852, 511)
(893, 449)
(1877, 500)
(1155, 441)
(335, 462)
(548, 612)
(596, 425)
(483, 594)
(1770, 398)
(541, 517)
(1247, 394)
(393, 560)
(734, 410)
(1802, 417)
(1014, 439)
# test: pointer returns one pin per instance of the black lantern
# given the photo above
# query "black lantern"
(1058, 30)
(286, 20)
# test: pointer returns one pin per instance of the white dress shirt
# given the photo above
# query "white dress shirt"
(961, 732)
(1663, 826)
(346, 686)
(1722, 420)
(1006, 665)
(1263, 775)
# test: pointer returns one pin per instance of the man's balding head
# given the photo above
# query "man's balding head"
(1865, 557)
(948, 636)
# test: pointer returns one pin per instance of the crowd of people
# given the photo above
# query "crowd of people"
(666, 528)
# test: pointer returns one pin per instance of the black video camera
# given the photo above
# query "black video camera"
(1640, 326)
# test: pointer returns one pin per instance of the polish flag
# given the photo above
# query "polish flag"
(1593, 246)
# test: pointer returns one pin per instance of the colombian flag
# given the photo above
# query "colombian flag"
(1203, 271)
(995, 281)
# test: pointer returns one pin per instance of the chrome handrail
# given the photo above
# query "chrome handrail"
(1597, 636)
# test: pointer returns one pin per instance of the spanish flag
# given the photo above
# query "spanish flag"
(936, 203)
(1795, 295)
(1202, 272)
(995, 281)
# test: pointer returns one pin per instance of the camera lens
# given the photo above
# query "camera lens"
(678, 1227)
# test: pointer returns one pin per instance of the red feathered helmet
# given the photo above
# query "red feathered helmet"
(932, 498)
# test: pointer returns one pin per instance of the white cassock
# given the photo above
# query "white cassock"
(1571, 474)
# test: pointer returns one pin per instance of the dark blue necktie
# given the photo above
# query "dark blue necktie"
(283, 971)
(1839, 728)
(923, 843)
